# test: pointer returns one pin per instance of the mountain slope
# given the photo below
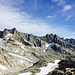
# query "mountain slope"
(25, 50)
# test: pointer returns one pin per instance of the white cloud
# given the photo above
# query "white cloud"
(63, 4)
(35, 4)
(68, 18)
(24, 23)
(59, 2)
(11, 2)
(66, 8)
(49, 17)
(56, 0)
(12, 17)
(52, 7)
(73, 33)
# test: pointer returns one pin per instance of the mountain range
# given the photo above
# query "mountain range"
(21, 52)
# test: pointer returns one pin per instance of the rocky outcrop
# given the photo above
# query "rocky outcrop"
(48, 38)
(53, 38)
(5, 32)
(56, 47)
(1, 34)
(24, 42)
(71, 41)
(8, 31)
(66, 67)
(33, 40)
(14, 31)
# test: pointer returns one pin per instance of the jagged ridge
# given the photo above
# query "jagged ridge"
(44, 48)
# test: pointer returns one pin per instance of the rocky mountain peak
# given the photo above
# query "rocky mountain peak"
(71, 41)
(14, 31)
(9, 31)
(5, 32)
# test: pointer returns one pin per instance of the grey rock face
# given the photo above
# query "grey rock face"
(1, 34)
(5, 32)
(71, 41)
(66, 67)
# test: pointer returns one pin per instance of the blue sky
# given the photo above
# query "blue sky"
(39, 17)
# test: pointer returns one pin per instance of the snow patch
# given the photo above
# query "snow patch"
(44, 50)
(50, 44)
(47, 45)
(16, 51)
(50, 67)
(21, 61)
(45, 70)
(8, 36)
(3, 67)
(56, 61)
